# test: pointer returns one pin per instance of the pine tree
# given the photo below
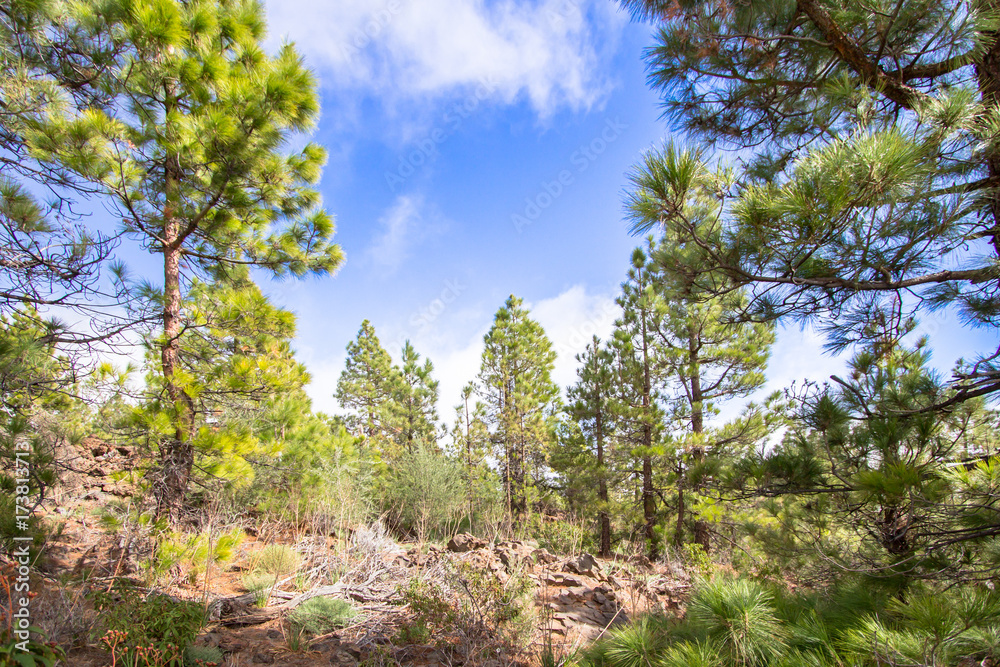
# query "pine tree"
(366, 388)
(237, 366)
(871, 132)
(413, 418)
(874, 476)
(190, 157)
(471, 439)
(709, 355)
(638, 375)
(520, 398)
(590, 405)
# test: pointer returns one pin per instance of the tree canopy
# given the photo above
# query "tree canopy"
(869, 135)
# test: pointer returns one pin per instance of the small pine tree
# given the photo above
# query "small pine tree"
(637, 370)
(590, 405)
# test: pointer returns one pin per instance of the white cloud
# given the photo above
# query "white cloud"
(571, 320)
(389, 249)
(546, 51)
(406, 223)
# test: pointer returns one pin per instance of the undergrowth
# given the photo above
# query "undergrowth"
(742, 622)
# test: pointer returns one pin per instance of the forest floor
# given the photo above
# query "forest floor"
(569, 599)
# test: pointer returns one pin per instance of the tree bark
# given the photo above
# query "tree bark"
(988, 75)
(602, 489)
(701, 532)
(648, 497)
(176, 455)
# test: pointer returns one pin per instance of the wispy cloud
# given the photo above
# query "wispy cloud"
(405, 224)
(548, 52)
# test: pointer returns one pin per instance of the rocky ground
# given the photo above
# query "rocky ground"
(575, 597)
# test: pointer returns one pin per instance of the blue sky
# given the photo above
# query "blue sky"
(477, 150)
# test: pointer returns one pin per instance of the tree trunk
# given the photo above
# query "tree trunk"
(602, 490)
(520, 496)
(468, 464)
(701, 532)
(648, 497)
(988, 74)
(177, 455)
(649, 507)
(679, 532)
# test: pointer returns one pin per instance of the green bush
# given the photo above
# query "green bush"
(471, 605)
(424, 494)
(321, 615)
(276, 559)
(734, 622)
(692, 654)
(944, 628)
(740, 616)
(503, 605)
(638, 644)
(140, 629)
(431, 612)
(260, 585)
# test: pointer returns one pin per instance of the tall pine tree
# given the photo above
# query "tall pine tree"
(191, 159)
(366, 387)
(515, 385)
(638, 369)
(709, 356)
(413, 418)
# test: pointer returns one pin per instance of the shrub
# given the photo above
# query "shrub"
(321, 615)
(431, 609)
(424, 494)
(198, 551)
(505, 606)
(692, 654)
(276, 559)
(152, 630)
(260, 585)
(740, 615)
(561, 536)
(638, 644)
(932, 629)
(471, 606)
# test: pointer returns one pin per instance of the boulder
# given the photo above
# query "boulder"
(584, 564)
(464, 542)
